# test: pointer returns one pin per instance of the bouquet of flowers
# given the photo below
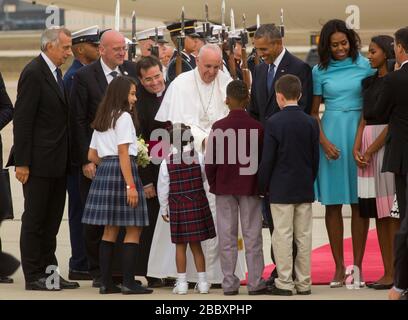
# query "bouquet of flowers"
(143, 158)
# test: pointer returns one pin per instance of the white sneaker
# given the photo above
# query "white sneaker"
(180, 288)
(202, 287)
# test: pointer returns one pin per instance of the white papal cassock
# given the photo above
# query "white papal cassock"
(191, 101)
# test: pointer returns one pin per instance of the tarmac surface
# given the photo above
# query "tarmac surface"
(10, 233)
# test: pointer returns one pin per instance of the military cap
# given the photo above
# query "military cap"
(89, 35)
(251, 30)
(151, 34)
(189, 29)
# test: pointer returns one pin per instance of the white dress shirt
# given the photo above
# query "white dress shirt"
(107, 71)
(51, 65)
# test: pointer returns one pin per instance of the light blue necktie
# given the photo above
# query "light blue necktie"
(271, 76)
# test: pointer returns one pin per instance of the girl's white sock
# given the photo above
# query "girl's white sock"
(202, 277)
(182, 277)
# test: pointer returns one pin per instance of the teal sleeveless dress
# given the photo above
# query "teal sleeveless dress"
(340, 86)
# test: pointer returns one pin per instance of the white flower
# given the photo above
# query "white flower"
(143, 158)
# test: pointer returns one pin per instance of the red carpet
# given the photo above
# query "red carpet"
(323, 264)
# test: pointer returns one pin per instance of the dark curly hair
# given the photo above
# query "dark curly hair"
(328, 30)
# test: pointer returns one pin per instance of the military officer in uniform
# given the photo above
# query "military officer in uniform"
(85, 47)
(252, 57)
(147, 39)
(188, 60)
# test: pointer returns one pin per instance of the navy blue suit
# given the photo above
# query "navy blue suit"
(262, 104)
(78, 260)
(290, 157)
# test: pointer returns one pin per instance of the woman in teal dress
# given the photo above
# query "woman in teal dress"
(337, 83)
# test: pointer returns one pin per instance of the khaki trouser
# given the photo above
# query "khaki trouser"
(248, 209)
(292, 220)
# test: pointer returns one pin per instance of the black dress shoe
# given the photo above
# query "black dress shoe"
(154, 282)
(64, 284)
(79, 275)
(136, 289)
(96, 283)
(41, 285)
(216, 286)
(109, 290)
(169, 282)
(258, 292)
(6, 280)
(304, 293)
(279, 292)
(271, 281)
(231, 293)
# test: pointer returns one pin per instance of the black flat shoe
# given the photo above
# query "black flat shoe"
(381, 286)
(136, 289)
(6, 280)
(231, 293)
(109, 290)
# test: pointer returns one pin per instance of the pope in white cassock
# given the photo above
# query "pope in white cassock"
(197, 99)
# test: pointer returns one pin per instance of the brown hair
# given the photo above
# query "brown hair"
(290, 86)
(114, 103)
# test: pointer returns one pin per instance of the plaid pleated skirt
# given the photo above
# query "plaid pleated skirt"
(107, 199)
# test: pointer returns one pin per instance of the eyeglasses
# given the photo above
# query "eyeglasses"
(120, 49)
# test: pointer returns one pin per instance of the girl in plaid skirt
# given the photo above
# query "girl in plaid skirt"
(183, 203)
(116, 197)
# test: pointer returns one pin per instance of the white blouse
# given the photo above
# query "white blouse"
(106, 143)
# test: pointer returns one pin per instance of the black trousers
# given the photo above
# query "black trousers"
(78, 260)
(92, 234)
(401, 238)
(44, 201)
(153, 207)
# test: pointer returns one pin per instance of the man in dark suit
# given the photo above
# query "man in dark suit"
(393, 103)
(290, 160)
(277, 61)
(149, 97)
(85, 47)
(88, 88)
(6, 115)
(41, 157)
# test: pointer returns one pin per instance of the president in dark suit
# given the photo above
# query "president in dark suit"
(277, 61)
(41, 157)
(88, 88)
(393, 103)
